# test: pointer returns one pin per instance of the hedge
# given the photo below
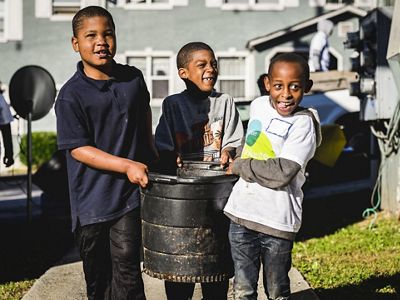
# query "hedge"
(44, 144)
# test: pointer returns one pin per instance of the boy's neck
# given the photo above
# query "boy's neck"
(196, 93)
(100, 73)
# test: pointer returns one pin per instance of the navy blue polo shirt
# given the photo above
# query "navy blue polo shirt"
(109, 115)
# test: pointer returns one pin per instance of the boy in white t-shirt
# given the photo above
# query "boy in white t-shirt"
(265, 205)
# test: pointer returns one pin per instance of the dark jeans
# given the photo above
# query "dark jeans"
(249, 248)
(184, 291)
(110, 252)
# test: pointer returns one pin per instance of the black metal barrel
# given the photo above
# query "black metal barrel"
(185, 233)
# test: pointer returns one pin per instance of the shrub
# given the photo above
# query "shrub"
(44, 144)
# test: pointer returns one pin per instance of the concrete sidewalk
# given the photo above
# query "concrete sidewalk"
(65, 281)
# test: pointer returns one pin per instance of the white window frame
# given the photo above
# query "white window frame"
(149, 54)
(66, 16)
(13, 26)
(362, 3)
(4, 15)
(253, 5)
(332, 6)
(45, 8)
(149, 5)
(246, 77)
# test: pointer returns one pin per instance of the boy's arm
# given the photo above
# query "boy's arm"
(278, 172)
(272, 173)
(233, 134)
(96, 158)
(8, 159)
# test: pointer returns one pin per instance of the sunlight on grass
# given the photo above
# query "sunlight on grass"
(352, 256)
(15, 290)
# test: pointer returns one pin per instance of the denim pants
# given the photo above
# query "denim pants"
(110, 253)
(250, 248)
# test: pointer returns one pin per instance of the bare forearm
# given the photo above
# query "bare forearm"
(99, 159)
(136, 172)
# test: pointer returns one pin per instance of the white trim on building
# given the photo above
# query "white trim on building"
(335, 4)
(236, 77)
(151, 4)
(158, 69)
(11, 20)
(252, 4)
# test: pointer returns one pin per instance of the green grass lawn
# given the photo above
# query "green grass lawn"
(354, 262)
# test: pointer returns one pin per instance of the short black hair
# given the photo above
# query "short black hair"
(291, 58)
(185, 53)
(90, 12)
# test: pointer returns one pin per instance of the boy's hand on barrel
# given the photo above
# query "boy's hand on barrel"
(229, 171)
(226, 157)
(137, 173)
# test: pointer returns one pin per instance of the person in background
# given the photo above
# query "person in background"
(104, 128)
(265, 205)
(261, 85)
(319, 47)
(5, 120)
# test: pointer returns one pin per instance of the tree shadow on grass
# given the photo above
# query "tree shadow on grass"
(375, 288)
(323, 216)
(28, 249)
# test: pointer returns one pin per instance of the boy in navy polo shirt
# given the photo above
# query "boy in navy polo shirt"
(104, 126)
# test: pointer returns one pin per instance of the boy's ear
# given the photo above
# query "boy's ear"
(74, 43)
(309, 85)
(182, 73)
(266, 83)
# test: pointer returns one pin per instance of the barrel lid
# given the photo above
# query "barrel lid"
(195, 172)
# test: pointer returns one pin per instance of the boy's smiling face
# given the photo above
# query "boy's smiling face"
(201, 70)
(286, 85)
(96, 44)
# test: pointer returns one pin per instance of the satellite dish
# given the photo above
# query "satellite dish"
(32, 90)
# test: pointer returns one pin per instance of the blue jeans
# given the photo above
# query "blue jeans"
(249, 248)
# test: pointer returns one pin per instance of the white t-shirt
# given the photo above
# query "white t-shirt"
(272, 135)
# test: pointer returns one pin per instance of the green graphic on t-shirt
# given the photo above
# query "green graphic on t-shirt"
(257, 146)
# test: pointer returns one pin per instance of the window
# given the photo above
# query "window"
(156, 71)
(64, 10)
(253, 4)
(10, 20)
(65, 7)
(332, 4)
(2, 19)
(253, 1)
(147, 1)
(149, 4)
(232, 76)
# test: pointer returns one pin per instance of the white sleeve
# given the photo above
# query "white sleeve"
(300, 144)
